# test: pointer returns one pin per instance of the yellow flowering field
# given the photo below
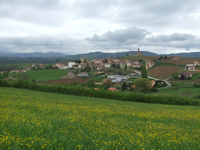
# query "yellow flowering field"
(38, 120)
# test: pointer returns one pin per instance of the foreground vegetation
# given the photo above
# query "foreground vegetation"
(91, 92)
(38, 120)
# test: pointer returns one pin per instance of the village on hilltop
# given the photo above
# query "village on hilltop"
(117, 70)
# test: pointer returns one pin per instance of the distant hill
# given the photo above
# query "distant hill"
(91, 55)
(98, 55)
(193, 54)
(33, 55)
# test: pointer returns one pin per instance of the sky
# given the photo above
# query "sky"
(82, 26)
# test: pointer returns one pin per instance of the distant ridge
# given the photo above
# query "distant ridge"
(98, 55)
(33, 55)
(91, 55)
(193, 54)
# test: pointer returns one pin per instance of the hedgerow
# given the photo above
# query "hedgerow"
(82, 91)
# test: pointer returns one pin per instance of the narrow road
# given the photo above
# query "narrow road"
(168, 84)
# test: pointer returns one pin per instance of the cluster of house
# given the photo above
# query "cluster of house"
(192, 67)
(25, 69)
(98, 64)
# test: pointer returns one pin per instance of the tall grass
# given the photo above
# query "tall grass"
(38, 120)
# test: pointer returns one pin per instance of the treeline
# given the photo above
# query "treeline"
(83, 91)
(18, 60)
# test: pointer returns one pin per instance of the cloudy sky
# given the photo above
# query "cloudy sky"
(81, 26)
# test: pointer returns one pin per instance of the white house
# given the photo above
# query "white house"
(70, 64)
(59, 65)
(83, 74)
(107, 65)
(190, 67)
(64, 67)
(117, 78)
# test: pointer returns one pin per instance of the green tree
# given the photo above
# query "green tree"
(108, 83)
(144, 73)
(91, 84)
(175, 75)
(57, 61)
(123, 86)
(74, 83)
(5, 74)
(24, 76)
(125, 67)
(142, 85)
(118, 66)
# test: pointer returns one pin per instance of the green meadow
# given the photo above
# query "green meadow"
(45, 75)
(38, 120)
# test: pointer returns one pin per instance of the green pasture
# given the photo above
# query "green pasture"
(38, 120)
(44, 75)
(183, 89)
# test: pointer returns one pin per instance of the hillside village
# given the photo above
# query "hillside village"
(118, 70)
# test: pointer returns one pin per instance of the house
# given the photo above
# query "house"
(196, 62)
(42, 66)
(70, 64)
(97, 60)
(135, 65)
(63, 77)
(112, 89)
(82, 74)
(83, 59)
(152, 83)
(122, 64)
(59, 65)
(110, 60)
(186, 75)
(64, 67)
(136, 62)
(70, 75)
(107, 65)
(190, 67)
(34, 65)
(28, 68)
(14, 71)
(22, 70)
(2, 72)
(117, 60)
(117, 78)
(176, 58)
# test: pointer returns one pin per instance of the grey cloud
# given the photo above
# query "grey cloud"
(131, 34)
(172, 37)
(136, 37)
(44, 44)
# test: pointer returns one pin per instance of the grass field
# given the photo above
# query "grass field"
(45, 75)
(184, 89)
(37, 120)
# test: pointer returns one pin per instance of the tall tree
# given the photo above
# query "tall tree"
(125, 67)
(144, 71)
(142, 85)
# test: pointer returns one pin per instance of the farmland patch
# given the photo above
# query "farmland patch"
(163, 72)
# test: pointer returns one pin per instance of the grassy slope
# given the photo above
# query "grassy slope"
(45, 75)
(30, 119)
